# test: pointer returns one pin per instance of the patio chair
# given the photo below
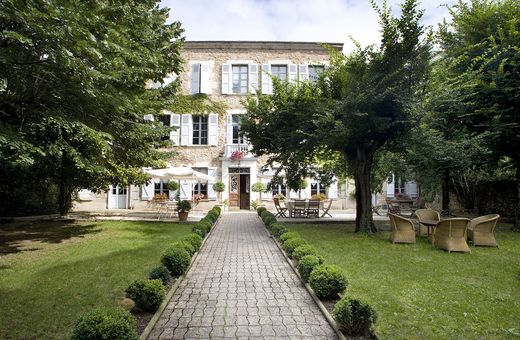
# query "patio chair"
(313, 209)
(300, 208)
(280, 211)
(450, 235)
(481, 230)
(393, 207)
(402, 229)
(326, 208)
(426, 215)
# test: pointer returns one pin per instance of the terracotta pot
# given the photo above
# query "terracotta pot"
(183, 215)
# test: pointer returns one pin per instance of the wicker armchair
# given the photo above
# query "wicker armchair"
(481, 230)
(450, 235)
(402, 229)
(426, 215)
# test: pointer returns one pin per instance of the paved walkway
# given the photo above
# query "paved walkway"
(241, 287)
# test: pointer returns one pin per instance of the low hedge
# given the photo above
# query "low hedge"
(292, 234)
(305, 249)
(292, 244)
(194, 239)
(354, 317)
(306, 266)
(278, 229)
(147, 294)
(112, 323)
(160, 272)
(260, 210)
(186, 246)
(327, 281)
(176, 259)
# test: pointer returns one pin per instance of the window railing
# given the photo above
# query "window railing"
(230, 148)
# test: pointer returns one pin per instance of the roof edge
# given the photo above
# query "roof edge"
(260, 45)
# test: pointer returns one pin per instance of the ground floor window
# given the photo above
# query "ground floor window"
(160, 188)
(318, 188)
(200, 188)
(280, 189)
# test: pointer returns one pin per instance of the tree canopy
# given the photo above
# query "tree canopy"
(361, 102)
(73, 96)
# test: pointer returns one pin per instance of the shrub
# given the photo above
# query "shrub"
(327, 281)
(260, 210)
(278, 229)
(184, 205)
(269, 220)
(303, 250)
(213, 215)
(286, 236)
(176, 259)
(354, 316)
(217, 210)
(292, 244)
(186, 246)
(194, 239)
(306, 266)
(160, 272)
(264, 214)
(219, 186)
(147, 294)
(199, 230)
(114, 323)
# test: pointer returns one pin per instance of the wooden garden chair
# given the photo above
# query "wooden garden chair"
(326, 208)
(300, 208)
(280, 211)
(313, 209)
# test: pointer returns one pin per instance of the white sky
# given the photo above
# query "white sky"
(289, 20)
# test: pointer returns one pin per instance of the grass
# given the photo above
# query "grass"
(421, 292)
(51, 273)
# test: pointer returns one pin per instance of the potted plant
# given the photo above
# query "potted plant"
(219, 187)
(258, 187)
(183, 207)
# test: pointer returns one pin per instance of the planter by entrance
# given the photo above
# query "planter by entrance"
(183, 215)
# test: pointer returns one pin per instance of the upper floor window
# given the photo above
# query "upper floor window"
(240, 79)
(315, 72)
(200, 130)
(279, 71)
(235, 125)
(318, 188)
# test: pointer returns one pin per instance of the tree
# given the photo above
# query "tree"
(362, 101)
(73, 96)
(481, 53)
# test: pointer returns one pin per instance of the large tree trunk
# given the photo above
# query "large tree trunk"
(517, 210)
(446, 191)
(362, 168)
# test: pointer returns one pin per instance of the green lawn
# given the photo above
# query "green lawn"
(52, 273)
(421, 292)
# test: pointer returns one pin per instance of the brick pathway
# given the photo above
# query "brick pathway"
(240, 286)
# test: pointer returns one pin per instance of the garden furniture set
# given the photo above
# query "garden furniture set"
(302, 208)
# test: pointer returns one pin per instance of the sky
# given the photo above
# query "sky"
(290, 20)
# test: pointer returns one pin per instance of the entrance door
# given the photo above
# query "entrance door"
(117, 197)
(239, 183)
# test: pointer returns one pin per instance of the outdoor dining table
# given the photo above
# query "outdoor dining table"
(289, 204)
(429, 224)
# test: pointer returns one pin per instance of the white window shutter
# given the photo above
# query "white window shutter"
(253, 78)
(212, 195)
(293, 73)
(185, 189)
(303, 72)
(267, 82)
(226, 78)
(333, 190)
(195, 78)
(213, 129)
(390, 187)
(147, 191)
(176, 122)
(186, 129)
(205, 85)
(229, 129)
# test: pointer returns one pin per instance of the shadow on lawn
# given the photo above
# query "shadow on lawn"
(24, 237)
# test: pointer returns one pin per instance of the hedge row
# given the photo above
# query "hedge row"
(353, 316)
(147, 295)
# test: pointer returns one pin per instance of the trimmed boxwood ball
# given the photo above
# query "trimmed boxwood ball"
(186, 246)
(303, 250)
(147, 294)
(217, 210)
(292, 244)
(327, 281)
(306, 264)
(354, 317)
(212, 215)
(260, 210)
(160, 272)
(278, 229)
(199, 230)
(292, 234)
(113, 323)
(176, 259)
(194, 239)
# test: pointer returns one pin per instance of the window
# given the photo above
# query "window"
(280, 189)
(317, 188)
(314, 72)
(279, 71)
(166, 121)
(240, 79)
(160, 188)
(200, 130)
(201, 187)
(235, 125)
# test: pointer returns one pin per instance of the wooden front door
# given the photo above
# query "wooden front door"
(234, 190)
